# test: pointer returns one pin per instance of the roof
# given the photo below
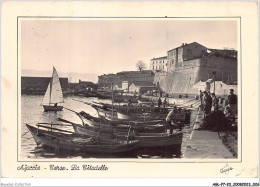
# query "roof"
(160, 58)
(227, 53)
(142, 83)
(186, 44)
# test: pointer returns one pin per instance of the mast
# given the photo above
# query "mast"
(112, 100)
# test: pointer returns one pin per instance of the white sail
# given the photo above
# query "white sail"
(54, 92)
(46, 98)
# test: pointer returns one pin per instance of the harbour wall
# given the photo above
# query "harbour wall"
(185, 77)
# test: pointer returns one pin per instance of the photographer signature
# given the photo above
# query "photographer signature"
(226, 169)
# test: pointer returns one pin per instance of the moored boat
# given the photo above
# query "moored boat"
(66, 140)
(159, 139)
(146, 139)
(53, 95)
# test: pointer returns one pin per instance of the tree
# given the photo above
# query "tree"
(140, 65)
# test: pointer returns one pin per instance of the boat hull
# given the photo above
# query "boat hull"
(72, 142)
(159, 139)
(52, 108)
(146, 139)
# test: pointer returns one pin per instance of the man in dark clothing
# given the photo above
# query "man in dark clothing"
(207, 102)
(232, 98)
(159, 102)
(214, 102)
(201, 97)
(232, 101)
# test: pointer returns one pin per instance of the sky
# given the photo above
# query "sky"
(110, 46)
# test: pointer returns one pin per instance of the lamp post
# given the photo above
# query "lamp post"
(213, 75)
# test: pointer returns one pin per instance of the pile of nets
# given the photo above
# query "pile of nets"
(216, 121)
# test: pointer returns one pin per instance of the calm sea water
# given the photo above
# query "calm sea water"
(32, 112)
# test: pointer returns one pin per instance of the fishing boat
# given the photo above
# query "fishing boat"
(132, 109)
(90, 94)
(140, 126)
(146, 139)
(69, 141)
(53, 95)
(159, 139)
(114, 122)
(108, 95)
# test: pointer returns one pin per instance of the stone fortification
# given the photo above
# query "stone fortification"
(131, 76)
(188, 73)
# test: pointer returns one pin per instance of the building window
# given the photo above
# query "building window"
(189, 51)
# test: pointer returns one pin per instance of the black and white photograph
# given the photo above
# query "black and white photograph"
(147, 93)
(129, 88)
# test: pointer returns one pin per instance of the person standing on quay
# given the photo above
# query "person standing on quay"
(207, 102)
(232, 101)
(201, 97)
(214, 102)
(170, 119)
(164, 102)
(159, 102)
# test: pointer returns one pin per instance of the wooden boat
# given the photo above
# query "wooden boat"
(90, 94)
(146, 139)
(53, 95)
(159, 139)
(66, 140)
(108, 95)
(142, 126)
(132, 109)
(92, 125)
(120, 121)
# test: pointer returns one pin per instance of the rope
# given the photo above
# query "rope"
(25, 133)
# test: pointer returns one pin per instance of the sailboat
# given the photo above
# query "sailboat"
(53, 94)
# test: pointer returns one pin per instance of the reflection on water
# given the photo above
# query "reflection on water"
(32, 113)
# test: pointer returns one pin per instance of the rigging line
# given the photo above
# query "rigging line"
(25, 133)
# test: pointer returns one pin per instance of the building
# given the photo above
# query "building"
(141, 87)
(185, 52)
(117, 87)
(159, 64)
(125, 86)
(130, 76)
(190, 72)
(85, 86)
